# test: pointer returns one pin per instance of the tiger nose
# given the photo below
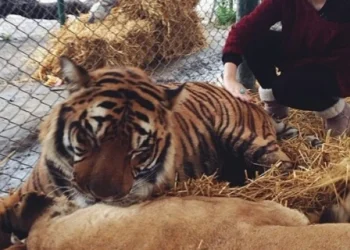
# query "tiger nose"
(99, 192)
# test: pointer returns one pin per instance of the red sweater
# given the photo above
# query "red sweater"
(307, 37)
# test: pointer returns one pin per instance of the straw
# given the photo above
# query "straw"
(137, 33)
(320, 178)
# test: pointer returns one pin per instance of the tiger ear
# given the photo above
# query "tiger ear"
(172, 96)
(74, 75)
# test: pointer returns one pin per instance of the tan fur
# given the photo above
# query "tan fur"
(17, 247)
(182, 223)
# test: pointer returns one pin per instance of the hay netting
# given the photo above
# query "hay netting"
(320, 179)
(136, 33)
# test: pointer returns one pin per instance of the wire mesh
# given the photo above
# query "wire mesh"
(28, 26)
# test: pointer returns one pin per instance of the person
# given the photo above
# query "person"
(311, 53)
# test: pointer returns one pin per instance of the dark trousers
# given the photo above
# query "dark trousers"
(311, 87)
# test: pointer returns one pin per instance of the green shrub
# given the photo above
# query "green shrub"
(225, 14)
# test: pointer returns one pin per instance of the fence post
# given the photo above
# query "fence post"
(245, 76)
(61, 12)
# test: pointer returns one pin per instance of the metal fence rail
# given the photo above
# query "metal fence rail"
(24, 101)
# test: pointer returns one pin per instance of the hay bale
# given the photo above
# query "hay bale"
(137, 33)
(321, 178)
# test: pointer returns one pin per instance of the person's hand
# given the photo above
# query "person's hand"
(237, 90)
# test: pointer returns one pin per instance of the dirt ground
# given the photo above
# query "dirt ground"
(24, 102)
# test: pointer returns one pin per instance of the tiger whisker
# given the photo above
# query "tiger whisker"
(140, 183)
(51, 185)
(71, 196)
(69, 189)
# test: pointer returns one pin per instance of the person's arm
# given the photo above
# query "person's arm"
(247, 30)
(231, 85)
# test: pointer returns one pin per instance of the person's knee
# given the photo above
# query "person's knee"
(255, 51)
(263, 47)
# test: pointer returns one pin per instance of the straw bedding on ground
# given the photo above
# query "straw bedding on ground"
(320, 178)
(137, 33)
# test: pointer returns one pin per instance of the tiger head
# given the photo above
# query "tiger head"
(112, 136)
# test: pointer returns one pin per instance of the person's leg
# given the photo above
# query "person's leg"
(314, 88)
(262, 58)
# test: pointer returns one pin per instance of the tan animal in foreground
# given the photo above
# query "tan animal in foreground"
(168, 223)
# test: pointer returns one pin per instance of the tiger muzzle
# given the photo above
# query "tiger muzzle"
(106, 172)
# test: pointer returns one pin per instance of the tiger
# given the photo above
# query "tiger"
(119, 137)
(49, 222)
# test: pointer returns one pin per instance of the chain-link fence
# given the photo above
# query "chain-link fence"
(180, 42)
